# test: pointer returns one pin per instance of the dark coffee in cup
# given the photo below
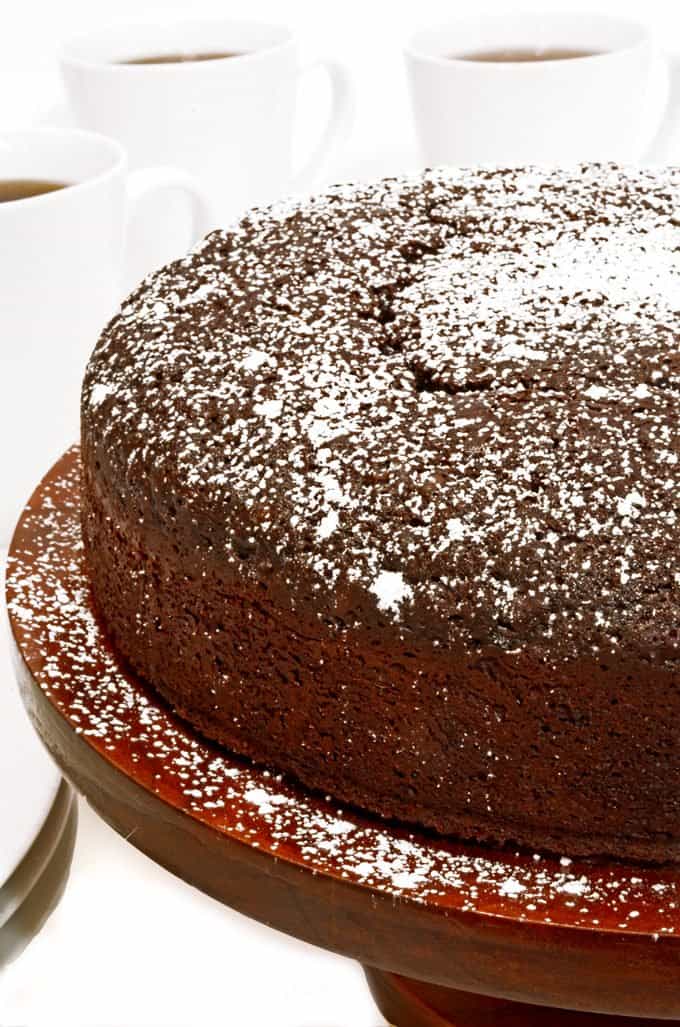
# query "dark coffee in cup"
(182, 58)
(24, 188)
(523, 56)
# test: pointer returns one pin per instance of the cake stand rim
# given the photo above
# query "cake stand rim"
(33, 692)
(511, 935)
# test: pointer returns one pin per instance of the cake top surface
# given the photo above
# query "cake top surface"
(447, 402)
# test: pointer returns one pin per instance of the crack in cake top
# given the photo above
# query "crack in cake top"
(446, 402)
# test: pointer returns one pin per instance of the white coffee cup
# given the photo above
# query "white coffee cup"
(228, 121)
(606, 106)
(61, 262)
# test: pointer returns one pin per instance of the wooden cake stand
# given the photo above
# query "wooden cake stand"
(448, 933)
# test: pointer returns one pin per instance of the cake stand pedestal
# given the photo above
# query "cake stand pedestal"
(449, 934)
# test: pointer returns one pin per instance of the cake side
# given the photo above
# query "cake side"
(493, 747)
(380, 490)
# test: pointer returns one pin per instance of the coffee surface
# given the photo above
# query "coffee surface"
(24, 188)
(522, 56)
(182, 58)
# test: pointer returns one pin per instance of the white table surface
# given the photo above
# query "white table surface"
(130, 944)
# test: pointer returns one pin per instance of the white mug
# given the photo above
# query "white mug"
(604, 106)
(229, 121)
(61, 261)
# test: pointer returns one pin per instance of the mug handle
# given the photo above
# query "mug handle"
(337, 129)
(658, 149)
(145, 181)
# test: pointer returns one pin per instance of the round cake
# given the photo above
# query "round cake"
(381, 490)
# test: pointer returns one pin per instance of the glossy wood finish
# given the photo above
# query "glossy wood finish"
(510, 926)
(410, 1003)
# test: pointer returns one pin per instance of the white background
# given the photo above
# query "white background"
(366, 34)
(130, 944)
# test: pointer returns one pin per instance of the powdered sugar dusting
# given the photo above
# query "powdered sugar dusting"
(390, 589)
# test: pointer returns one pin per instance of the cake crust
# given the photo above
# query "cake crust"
(380, 489)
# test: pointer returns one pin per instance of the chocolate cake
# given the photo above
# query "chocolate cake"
(381, 490)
